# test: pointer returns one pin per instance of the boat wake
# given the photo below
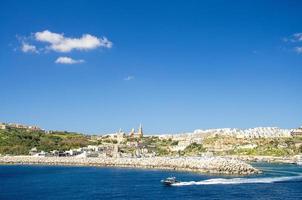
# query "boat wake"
(216, 181)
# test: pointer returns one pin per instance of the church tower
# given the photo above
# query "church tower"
(132, 133)
(140, 131)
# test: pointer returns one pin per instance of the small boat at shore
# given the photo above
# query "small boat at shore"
(169, 181)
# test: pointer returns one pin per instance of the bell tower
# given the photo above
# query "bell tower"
(132, 133)
(140, 131)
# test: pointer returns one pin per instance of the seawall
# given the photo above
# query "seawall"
(217, 165)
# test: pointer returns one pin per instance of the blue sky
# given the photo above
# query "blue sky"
(97, 66)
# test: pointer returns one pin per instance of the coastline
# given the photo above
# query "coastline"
(268, 159)
(213, 165)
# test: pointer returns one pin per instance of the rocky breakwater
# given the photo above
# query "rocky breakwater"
(218, 165)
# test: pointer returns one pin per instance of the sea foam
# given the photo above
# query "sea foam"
(226, 181)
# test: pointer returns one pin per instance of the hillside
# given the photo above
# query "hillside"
(16, 141)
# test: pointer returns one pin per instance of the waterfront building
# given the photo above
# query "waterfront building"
(33, 151)
(40, 154)
(54, 153)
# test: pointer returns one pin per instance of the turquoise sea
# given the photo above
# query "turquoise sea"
(279, 181)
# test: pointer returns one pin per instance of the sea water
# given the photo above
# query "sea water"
(279, 181)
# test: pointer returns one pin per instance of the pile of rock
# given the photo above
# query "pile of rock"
(198, 164)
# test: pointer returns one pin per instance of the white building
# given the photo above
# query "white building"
(2, 126)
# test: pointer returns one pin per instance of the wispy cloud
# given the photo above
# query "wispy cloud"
(68, 60)
(26, 48)
(59, 43)
(296, 40)
(296, 37)
(129, 78)
(298, 50)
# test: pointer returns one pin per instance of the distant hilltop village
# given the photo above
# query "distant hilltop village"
(259, 132)
(4, 126)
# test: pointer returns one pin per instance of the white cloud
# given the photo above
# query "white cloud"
(28, 48)
(297, 37)
(298, 50)
(47, 36)
(60, 43)
(68, 60)
(129, 78)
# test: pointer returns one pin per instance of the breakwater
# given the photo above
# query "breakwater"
(217, 165)
(269, 159)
